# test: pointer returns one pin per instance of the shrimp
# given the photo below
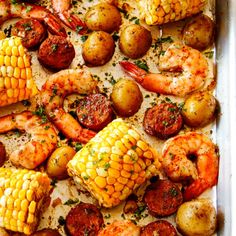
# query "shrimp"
(63, 9)
(56, 88)
(177, 58)
(9, 10)
(179, 167)
(43, 138)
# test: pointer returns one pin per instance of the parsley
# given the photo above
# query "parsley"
(165, 123)
(28, 9)
(165, 40)
(85, 177)
(78, 28)
(142, 64)
(41, 112)
(14, 2)
(173, 192)
(107, 216)
(61, 220)
(136, 22)
(209, 54)
(53, 182)
(71, 201)
(139, 211)
(27, 26)
(84, 38)
(78, 146)
(107, 166)
(46, 127)
(54, 47)
(181, 105)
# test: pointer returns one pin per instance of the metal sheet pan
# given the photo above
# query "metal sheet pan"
(226, 93)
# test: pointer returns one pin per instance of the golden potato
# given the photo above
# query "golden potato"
(196, 218)
(56, 165)
(103, 16)
(199, 32)
(199, 109)
(98, 49)
(126, 97)
(135, 41)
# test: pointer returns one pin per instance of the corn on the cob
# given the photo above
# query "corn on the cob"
(113, 163)
(22, 193)
(16, 82)
(157, 12)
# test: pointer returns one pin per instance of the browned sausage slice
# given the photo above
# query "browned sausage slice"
(56, 52)
(163, 120)
(94, 112)
(84, 219)
(163, 198)
(31, 31)
(160, 228)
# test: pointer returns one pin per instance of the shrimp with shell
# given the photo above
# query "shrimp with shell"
(43, 138)
(178, 58)
(13, 9)
(178, 166)
(56, 88)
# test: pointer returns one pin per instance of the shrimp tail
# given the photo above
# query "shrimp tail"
(134, 71)
(195, 189)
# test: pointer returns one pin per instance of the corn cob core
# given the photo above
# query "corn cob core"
(21, 197)
(114, 163)
(16, 82)
(157, 12)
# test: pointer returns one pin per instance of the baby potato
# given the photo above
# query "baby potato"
(56, 165)
(196, 218)
(103, 16)
(126, 97)
(199, 109)
(135, 41)
(198, 33)
(98, 49)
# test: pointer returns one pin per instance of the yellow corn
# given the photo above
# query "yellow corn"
(15, 72)
(110, 168)
(22, 193)
(157, 12)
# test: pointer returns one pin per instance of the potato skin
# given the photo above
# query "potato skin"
(196, 218)
(199, 32)
(199, 109)
(135, 41)
(103, 16)
(98, 49)
(126, 97)
(56, 165)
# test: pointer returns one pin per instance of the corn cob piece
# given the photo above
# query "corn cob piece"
(114, 163)
(22, 193)
(16, 82)
(157, 12)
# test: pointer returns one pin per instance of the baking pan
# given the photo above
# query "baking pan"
(226, 93)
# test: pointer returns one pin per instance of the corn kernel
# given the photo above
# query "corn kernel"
(118, 187)
(22, 194)
(100, 181)
(113, 173)
(122, 180)
(15, 51)
(32, 207)
(91, 173)
(111, 180)
(115, 165)
(125, 174)
(2, 60)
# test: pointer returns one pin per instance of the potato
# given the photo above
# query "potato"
(126, 97)
(103, 16)
(135, 41)
(199, 109)
(46, 232)
(199, 32)
(56, 165)
(98, 49)
(196, 218)
(2, 154)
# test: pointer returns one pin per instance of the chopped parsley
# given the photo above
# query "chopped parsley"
(142, 64)
(78, 146)
(61, 221)
(84, 38)
(28, 9)
(107, 166)
(78, 28)
(209, 54)
(71, 201)
(173, 192)
(54, 47)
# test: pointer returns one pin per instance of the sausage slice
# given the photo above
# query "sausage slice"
(31, 31)
(94, 112)
(163, 120)
(84, 219)
(163, 198)
(160, 228)
(56, 52)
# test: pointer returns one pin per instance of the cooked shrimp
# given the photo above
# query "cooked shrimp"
(120, 228)
(9, 10)
(43, 138)
(178, 166)
(56, 88)
(177, 58)
(63, 9)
